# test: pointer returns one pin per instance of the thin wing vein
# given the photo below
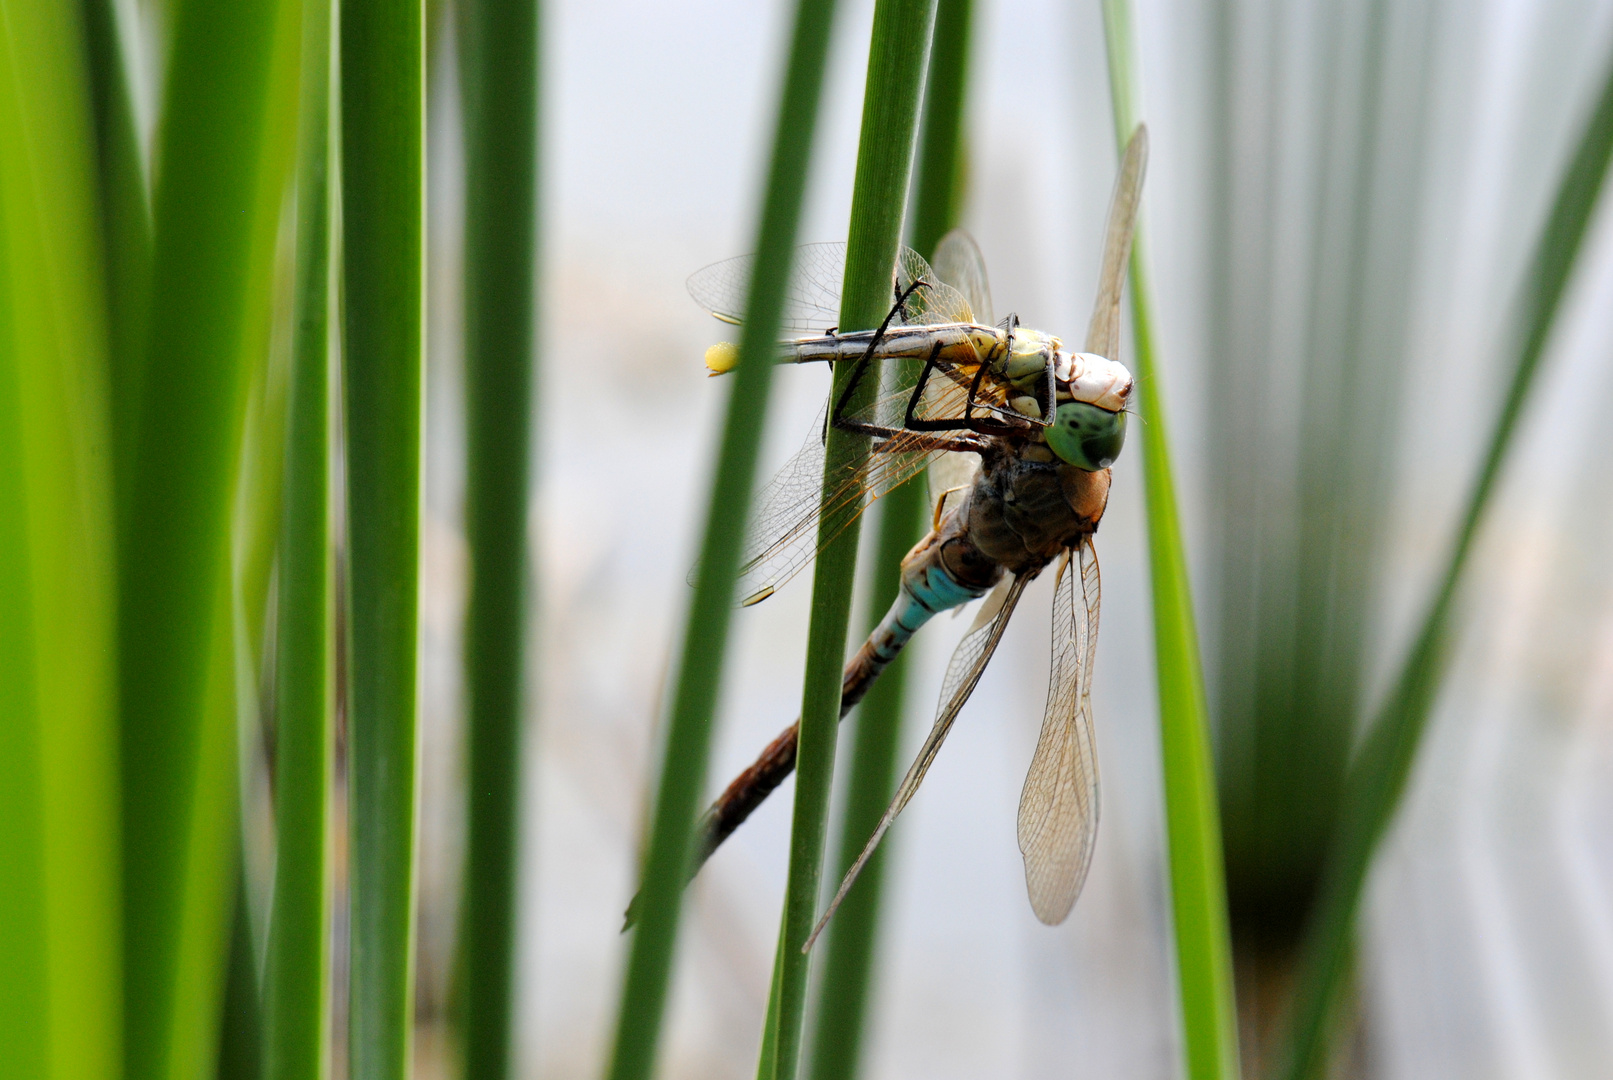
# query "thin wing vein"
(1058, 810)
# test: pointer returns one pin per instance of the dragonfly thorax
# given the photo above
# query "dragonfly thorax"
(1020, 513)
(1024, 365)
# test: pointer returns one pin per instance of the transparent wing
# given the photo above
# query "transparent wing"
(951, 474)
(937, 302)
(812, 298)
(1103, 333)
(958, 263)
(963, 673)
(793, 519)
(1058, 811)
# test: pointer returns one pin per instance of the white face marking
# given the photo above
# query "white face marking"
(1093, 379)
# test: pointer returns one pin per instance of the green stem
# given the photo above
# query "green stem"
(1193, 826)
(383, 119)
(125, 224)
(942, 171)
(61, 953)
(895, 85)
(222, 159)
(499, 72)
(240, 1025)
(849, 944)
(299, 962)
(849, 949)
(1378, 778)
(683, 769)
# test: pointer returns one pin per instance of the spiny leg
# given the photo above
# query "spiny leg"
(867, 358)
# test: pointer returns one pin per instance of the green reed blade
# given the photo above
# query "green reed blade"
(61, 994)
(500, 44)
(895, 85)
(224, 148)
(1378, 777)
(383, 246)
(1192, 820)
(849, 946)
(125, 223)
(683, 768)
(297, 993)
(941, 173)
(240, 1021)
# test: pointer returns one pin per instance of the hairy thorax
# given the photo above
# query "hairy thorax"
(1021, 513)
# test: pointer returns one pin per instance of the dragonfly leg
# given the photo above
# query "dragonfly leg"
(899, 440)
(909, 420)
(837, 414)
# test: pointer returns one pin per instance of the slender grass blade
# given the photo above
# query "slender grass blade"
(896, 62)
(298, 968)
(843, 993)
(1377, 779)
(683, 769)
(1193, 827)
(61, 1003)
(383, 185)
(125, 222)
(500, 44)
(223, 153)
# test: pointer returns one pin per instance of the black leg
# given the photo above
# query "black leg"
(908, 419)
(867, 358)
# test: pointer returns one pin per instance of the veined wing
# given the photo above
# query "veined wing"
(951, 474)
(958, 263)
(812, 298)
(794, 519)
(1058, 811)
(1103, 333)
(963, 674)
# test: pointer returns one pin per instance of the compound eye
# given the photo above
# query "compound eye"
(1086, 436)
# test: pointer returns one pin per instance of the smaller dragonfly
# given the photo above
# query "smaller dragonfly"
(1044, 423)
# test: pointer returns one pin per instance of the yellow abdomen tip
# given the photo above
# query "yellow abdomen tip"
(722, 357)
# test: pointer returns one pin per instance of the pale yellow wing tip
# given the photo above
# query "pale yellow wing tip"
(721, 358)
(1052, 916)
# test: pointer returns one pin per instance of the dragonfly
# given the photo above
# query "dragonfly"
(1018, 435)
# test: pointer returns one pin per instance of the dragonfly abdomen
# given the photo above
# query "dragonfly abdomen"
(928, 588)
(943, 571)
(898, 342)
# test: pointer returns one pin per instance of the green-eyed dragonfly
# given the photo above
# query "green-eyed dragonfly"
(1044, 423)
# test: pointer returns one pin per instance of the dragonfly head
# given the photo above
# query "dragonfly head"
(1089, 426)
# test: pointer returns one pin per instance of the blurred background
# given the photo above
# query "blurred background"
(1341, 203)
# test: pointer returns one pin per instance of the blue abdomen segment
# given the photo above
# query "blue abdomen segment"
(927, 590)
(922, 597)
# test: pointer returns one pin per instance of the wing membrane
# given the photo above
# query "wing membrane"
(958, 262)
(1103, 333)
(1058, 810)
(812, 297)
(794, 519)
(963, 674)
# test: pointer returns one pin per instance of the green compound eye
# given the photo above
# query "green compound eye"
(1086, 436)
